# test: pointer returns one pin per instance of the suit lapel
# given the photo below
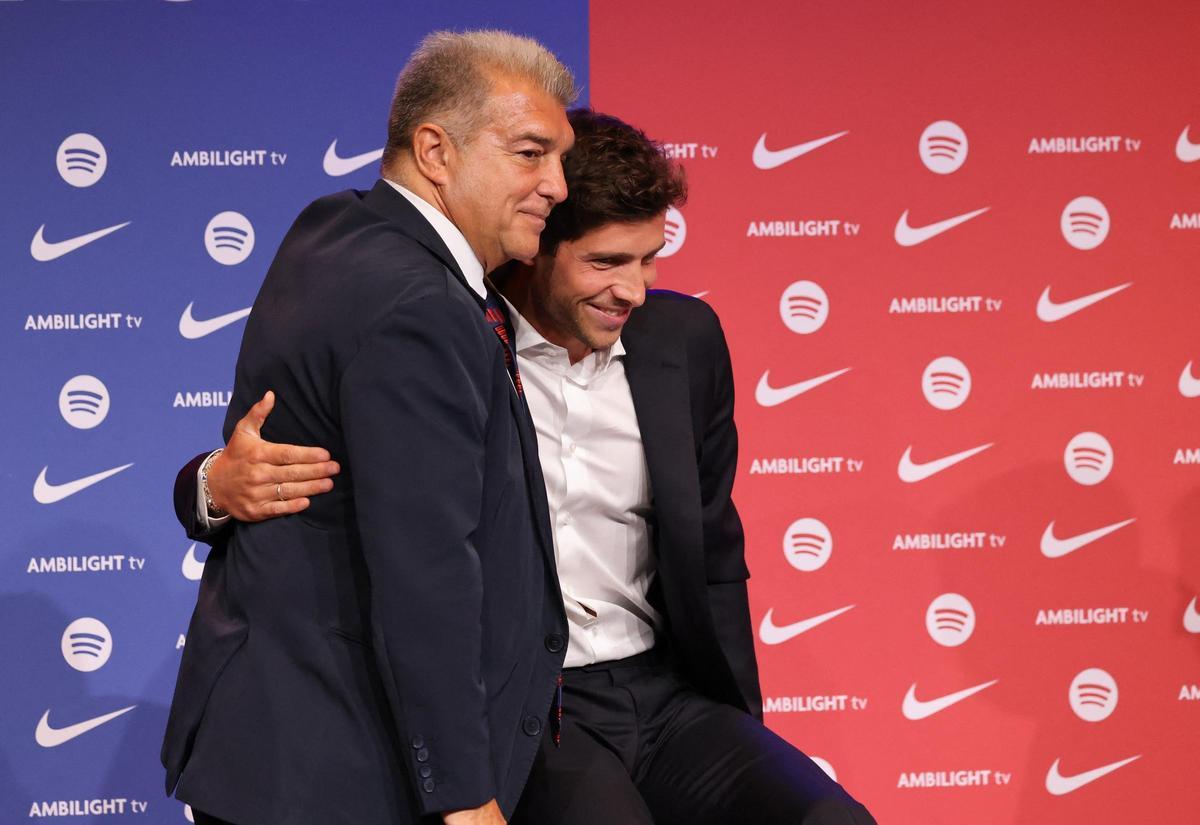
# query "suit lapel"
(657, 370)
(389, 203)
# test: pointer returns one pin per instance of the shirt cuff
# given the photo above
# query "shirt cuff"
(208, 523)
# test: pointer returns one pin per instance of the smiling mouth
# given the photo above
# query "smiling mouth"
(613, 315)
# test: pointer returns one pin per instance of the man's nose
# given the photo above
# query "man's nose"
(553, 185)
(630, 288)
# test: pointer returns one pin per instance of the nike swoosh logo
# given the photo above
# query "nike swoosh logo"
(765, 158)
(1185, 150)
(914, 709)
(336, 166)
(1059, 785)
(1055, 548)
(912, 472)
(1189, 387)
(1191, 618)
(773, 634)
(49, 737)
(192, 569)
(43, 250)
(912, 235)
(768, 396)
(46, 493)
(1051, 311)
(190, 328)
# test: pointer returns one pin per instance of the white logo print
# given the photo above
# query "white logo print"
(675, 233)
(1088, 458)
(768, 396)
(1189, 385)
(337, 166)
(824, 765)
(1050, 311)
(50, 737)
(950, 619)
(914, 709)
(807, 544)
(946, 383)
(943, 147)
(1059, 785)
(87, 644)
(82, 160)
(1093, 695)
(1185, 150)
(772, 634)
(912, 235)
(765, 158)
(191, 329)
(804, 307)
(83, 402)
(191, 567)
(46, 493)
(43, 250)
(1191, 617)
(1054, 548)
(229, 238)
(911, 472)
(1084, 223)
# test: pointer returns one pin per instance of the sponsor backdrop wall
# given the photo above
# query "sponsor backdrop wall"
(152, 155)
(955, 249)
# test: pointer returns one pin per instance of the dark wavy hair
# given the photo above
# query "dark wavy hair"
(615, 174)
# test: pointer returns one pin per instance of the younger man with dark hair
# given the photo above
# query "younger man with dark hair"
(661, 708)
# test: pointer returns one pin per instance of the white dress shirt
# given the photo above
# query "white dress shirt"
(598, 488)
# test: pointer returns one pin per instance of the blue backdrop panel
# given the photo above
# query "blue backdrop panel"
(150, 121)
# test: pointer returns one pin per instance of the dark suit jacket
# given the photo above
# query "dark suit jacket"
(391, 651)
(677, 364)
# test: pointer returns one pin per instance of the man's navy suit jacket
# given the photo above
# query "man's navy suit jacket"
(391, 651)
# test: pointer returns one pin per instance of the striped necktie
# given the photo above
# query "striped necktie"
(493, 311)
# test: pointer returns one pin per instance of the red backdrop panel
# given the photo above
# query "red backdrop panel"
(824, 179)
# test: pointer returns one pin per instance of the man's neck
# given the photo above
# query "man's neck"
(407, 176)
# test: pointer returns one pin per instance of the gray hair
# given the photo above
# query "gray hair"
(448, 80)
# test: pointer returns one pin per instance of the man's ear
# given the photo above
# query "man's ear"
(432, 149)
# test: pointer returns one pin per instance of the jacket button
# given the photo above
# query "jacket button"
(428, 785)
(425, 772)
(423, 755)
(555, 642)
(418, 743)
(532, 726)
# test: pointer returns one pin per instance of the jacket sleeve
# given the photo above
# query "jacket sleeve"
(187, 496)
(414, 403)
(724, 542)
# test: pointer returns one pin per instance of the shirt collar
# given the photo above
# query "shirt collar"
(530, 342)
(451, 236)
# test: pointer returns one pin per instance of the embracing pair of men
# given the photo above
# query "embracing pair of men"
(524, 598)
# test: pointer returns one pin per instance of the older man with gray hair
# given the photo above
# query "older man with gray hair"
(390, 654)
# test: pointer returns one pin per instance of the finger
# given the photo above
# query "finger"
(256, 416)
(273, 509)
(293, 454)
(304, 472)
(301, 489)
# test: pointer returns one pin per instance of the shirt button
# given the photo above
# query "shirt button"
(428, 785)
(555, 642)
(423, 755)
(532, 726)
(418, 743)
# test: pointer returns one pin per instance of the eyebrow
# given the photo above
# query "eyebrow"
(621, 257)
(535, 137)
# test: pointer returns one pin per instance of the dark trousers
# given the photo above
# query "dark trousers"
(640, 747)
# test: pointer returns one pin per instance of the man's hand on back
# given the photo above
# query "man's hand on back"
(248, 478)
